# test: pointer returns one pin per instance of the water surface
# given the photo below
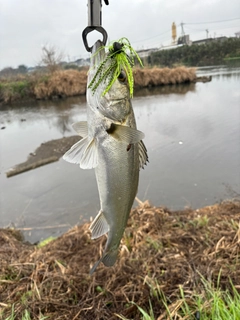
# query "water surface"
(193, 141)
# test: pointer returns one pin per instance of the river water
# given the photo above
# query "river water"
(193, 141)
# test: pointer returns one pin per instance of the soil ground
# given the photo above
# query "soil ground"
(47, 152)
(161, 251)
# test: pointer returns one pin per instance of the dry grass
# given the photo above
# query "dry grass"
(62, 83)
(161, 250)
(163, 76)
(65, 83)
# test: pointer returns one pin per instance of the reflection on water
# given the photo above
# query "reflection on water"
(192, 135)
(168, 89)
(220, 71)
(27, 126)
(57, 113)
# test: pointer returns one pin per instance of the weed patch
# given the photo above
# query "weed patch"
(166, 269)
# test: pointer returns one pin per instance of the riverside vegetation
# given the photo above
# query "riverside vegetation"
(199, 55)
(172, 266)
(57, 83)
(65, 83)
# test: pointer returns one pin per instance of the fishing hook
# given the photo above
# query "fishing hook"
(94, 22)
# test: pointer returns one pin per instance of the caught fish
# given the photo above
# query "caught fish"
(113, 146)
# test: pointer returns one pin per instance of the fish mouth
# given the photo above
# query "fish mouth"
(117, 100)
(121, 98)
(117, 103)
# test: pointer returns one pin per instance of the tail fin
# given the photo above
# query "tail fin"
(107, 259)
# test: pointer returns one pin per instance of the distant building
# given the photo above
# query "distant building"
(185, 39)
(31, 69)
(208, 40)
(237, 34)
(170, 47)
(63, 63)
(37, 68)
(146, 52)
(81, 62)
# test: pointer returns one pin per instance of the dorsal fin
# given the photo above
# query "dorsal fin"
(143, 156)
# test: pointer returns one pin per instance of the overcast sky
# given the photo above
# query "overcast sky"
(27, 25)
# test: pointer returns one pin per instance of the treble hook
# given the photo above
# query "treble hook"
(94, 21)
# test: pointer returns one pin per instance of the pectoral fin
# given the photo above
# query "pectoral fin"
(81, 128)
(90, 156)
(74, 155)
(99, 226)
(125, 134)
(84, 153)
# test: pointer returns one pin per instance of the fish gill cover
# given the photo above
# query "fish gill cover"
(121, 56)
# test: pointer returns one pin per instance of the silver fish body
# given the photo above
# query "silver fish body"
(113, 146)
(117, 175)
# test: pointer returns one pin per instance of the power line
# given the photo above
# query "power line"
(168, 31)
(219, 21)
(153, 37)
(216, 28)
(195, 29)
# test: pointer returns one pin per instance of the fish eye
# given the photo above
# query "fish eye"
(122, 77)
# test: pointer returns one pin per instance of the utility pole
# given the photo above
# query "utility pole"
(207, 33)
(183, 33)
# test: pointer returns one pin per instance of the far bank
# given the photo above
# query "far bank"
(66, 83)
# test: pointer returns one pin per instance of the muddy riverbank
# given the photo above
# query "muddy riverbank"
(46, 153)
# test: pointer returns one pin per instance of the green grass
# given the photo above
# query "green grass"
(232, 58)
(45, 241)
(199, 222)
(219, 304)
(211, 303)
(25, 316)
(14, 90)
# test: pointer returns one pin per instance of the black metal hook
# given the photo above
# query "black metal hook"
(89, 29)
(94, 22)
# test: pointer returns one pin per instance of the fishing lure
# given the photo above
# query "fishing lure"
(121, 56)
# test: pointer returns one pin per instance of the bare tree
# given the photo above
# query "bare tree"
(51, 57)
